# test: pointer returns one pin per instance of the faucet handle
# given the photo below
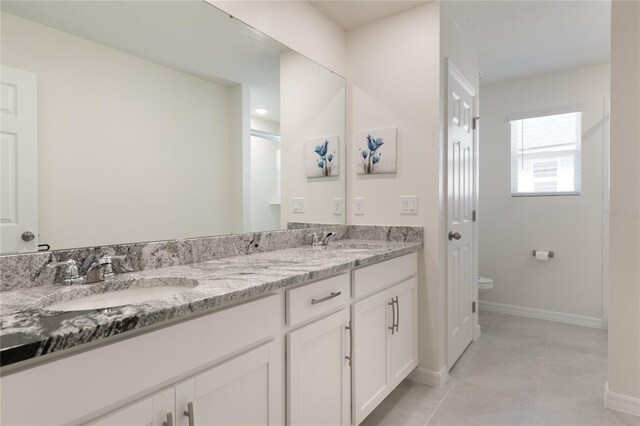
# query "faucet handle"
(71, 273)
(106, 261)
(107, 258)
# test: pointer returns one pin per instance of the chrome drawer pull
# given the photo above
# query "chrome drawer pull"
(350, 356)
(169, 421)
(393, 316)
(190, 414)
(324, 299)
(397, 325)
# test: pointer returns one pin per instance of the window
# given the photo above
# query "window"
(545, 155)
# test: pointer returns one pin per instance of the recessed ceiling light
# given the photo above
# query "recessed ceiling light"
(261, 111)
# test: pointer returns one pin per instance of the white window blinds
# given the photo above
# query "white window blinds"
(545, 155)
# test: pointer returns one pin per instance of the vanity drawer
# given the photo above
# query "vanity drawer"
(372, 278)
(315, 299)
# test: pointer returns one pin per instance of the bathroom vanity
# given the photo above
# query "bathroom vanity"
(289, 336)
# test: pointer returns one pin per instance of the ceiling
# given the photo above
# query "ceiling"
(193, 37)
(515, 39)
(353, 14)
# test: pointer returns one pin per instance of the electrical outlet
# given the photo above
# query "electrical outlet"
(337, 206)
(358, 205)
(408, 204)
(298, 204)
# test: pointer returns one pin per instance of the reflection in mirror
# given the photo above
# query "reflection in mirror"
(137, 121)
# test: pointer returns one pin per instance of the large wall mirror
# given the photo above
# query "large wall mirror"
(130, 121)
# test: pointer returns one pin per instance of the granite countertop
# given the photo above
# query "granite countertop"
(28, 329)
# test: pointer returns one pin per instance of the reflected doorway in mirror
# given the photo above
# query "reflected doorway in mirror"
(321, 157)
(377, 151)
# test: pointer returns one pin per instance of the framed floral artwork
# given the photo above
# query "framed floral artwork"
(377, 151)
(321, 157)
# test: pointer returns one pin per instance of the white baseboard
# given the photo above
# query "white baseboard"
(524, 311)
(619, 402)
(437, 379)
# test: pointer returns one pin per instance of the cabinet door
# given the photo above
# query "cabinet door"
(404, 340)
(319, 374)
(371, 321)
(246, 390)
(152, 411)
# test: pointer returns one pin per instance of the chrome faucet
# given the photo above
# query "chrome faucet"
(321, 241)
(100, 270)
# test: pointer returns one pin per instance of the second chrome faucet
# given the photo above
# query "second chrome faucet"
(100, 270)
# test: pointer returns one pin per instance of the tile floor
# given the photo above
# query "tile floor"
(522, 371)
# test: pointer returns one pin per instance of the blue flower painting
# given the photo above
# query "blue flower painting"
(377, 152)
(321, 157)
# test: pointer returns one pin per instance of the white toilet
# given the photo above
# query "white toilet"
(484, 285)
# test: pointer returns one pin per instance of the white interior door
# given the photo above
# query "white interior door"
(460, 113)
(18, 162)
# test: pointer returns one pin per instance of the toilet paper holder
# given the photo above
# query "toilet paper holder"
(551, 253)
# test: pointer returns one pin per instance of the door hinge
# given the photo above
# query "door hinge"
(473, 307)
(475, 122)
(473, 215)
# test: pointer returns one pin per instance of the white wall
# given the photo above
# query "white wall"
(95, 187)
(624, 268)
(511, 227)
(297, 25)
(265, 207)
(394, 70)
(312, 105)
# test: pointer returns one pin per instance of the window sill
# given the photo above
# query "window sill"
(544, 194)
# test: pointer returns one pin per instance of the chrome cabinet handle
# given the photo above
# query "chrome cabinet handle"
(393, 315)
(397, 302)
(324, 299)
(454, 235)
(350, 356)
(190, 414)
(169, 421)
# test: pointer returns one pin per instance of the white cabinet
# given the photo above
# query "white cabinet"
(246, 390)
(371, 319)
(76, 388)
(385, 344)
(156, 410)
(319, 372)
(404, 339)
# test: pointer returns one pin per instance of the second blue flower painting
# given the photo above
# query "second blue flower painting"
(377, 151)
(321, 157)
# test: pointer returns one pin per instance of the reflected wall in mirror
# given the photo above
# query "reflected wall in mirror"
(139, 121)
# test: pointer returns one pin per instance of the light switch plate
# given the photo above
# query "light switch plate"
(337, 206)
(408, 204)
(298, 204)
(358, 205)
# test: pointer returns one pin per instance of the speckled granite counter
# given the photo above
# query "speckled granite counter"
(29, 330)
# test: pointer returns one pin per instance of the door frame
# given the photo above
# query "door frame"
(455, 71)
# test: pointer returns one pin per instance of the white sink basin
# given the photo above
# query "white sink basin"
(109, 295)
